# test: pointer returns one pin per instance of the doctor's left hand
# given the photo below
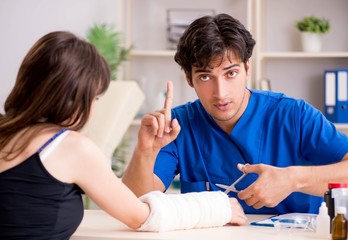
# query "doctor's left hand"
(272, 186)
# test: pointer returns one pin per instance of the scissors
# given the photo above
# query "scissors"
(232, 187)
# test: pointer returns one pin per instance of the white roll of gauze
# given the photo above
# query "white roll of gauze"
(186, 211)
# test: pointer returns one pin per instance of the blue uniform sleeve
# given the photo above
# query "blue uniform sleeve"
(166, 164)
(321, 142)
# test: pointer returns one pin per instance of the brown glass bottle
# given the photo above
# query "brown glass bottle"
(339, 225)
(330, 203)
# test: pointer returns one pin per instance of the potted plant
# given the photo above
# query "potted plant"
(109, 44)
(312, 29)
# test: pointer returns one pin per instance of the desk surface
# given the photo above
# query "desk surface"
(97, 224)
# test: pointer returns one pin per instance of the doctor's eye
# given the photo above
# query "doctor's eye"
(232, 74)
(204, 78)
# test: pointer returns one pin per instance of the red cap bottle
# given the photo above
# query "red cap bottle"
(329, 200)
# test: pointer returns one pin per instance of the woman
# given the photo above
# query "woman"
(45, 163)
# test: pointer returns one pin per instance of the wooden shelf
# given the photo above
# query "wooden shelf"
(264, 55)
(152, 53)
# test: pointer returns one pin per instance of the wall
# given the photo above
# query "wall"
(22, 22)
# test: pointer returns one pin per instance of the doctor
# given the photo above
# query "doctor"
(292, 150)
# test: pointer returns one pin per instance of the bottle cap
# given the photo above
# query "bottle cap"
(341, 210)
(337, 185)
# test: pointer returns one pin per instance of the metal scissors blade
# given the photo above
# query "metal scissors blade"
(232, 187)
(222, 186)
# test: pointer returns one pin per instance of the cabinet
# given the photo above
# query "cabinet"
(278, 56)
(151, 64)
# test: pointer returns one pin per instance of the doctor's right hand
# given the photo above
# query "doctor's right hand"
(157, 128)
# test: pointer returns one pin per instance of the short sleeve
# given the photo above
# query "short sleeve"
(166, 164)
(320, 140)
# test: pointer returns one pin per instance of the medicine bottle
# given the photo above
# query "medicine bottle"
(339, 225)
(330, 203)
(323, 222)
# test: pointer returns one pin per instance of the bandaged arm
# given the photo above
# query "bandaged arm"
(186, 211)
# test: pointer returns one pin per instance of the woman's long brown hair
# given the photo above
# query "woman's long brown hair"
(56, 84)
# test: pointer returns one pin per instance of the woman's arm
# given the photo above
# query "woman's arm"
(155, 211)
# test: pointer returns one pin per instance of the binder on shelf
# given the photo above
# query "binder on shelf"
(336, 95)
(179, 19)
(342, 96)
(330, 95)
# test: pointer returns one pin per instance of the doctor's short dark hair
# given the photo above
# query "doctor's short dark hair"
(212, 36)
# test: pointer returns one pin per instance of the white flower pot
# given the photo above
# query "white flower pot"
(311, 42)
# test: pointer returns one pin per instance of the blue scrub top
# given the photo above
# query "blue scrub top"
(274, 130)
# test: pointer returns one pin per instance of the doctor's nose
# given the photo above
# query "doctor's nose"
(220, 88)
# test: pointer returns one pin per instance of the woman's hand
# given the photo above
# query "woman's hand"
(238, 216)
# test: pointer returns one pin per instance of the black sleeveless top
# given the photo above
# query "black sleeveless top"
(35, 205)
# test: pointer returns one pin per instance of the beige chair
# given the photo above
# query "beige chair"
(113, 114)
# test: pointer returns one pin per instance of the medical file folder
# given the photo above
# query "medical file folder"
(342, 96)
(336, 95)
(330, 95)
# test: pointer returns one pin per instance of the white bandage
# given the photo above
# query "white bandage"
(185, 211)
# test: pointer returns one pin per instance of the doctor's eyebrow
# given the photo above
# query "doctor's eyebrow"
(232, 66)
(207, 70)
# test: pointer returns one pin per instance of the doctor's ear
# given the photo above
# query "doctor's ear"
(188, 77)
(247, 67)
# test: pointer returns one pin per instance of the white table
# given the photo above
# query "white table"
(98, 225)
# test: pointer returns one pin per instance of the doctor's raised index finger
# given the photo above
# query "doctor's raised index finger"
(168, 106)
(169, 96)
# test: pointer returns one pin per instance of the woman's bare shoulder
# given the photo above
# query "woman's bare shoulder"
(79, 144)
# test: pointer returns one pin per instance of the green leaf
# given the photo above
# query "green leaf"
(109, 44)
(313, 24)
